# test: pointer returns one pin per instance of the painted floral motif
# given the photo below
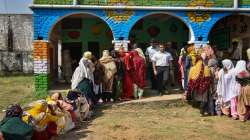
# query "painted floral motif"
(199, 16)
(119, 15)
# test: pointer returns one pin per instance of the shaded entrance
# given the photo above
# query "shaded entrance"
(161, 27)
(69, 39)
(229, 31)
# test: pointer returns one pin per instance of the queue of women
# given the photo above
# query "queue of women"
(120, 75)
(218, 87)
(115, 76)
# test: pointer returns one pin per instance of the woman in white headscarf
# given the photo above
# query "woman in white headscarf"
(226, 88)
(84, 70)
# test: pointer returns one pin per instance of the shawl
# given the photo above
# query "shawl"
(13, 128)
(84, 70)
(243, 100)
(139, 70)
(109, 67)
(199, 78)
(140, 52)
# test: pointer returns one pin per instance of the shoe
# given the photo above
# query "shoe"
(235, 118)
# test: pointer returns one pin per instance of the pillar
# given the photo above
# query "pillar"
(59, 57)
(41, 66)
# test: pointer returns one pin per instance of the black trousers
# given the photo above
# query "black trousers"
(161, 72)
(152, 76)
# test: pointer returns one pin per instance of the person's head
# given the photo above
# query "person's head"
(168, 45)
(235, 44)
(87, 55)
(114, 54)
(56, 96)
(153, 42)
(212, 63)
(227, 64)
(14, 110)
(105, 53)
(162, 48)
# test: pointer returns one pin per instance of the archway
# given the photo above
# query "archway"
(226, 32)
(69, 38)
(163, 28)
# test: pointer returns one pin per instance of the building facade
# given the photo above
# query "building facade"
(73, 26)
(16, 47)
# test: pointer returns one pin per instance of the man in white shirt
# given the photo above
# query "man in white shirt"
(162, 61)
(151, 50)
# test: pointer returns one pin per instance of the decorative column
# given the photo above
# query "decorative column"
(236, 4)
(59, 57)
(121, 43)
(41, 66)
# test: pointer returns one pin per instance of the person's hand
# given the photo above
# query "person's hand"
(155, 72)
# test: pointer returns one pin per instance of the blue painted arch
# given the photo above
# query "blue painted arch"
(226, 15)
(46, 19)
(143, 14)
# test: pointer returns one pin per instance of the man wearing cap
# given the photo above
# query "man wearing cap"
(162, 61)
(151, 50)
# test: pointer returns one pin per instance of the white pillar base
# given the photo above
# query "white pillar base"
(121, 43)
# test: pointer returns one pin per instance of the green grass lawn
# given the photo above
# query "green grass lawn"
(16, 89)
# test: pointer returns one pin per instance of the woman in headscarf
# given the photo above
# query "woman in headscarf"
(243, 108)
(118, 81)
(109, 69)
(181, 63)
(38, 115)
(189, 62)
(62, 110)
(214, 69)
(226, 88)
(83, 78)
(199, 84)
(139, 76)
(12, 127)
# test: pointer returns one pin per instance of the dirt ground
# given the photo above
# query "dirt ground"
(157, 118)
(152, 118)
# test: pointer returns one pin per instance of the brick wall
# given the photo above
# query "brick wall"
(41, 66)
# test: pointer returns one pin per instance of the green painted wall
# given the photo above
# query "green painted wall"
(180, 35)
(93, 30)
(215, 3)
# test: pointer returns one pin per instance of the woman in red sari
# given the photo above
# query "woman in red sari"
(139, 76)
(128, 80)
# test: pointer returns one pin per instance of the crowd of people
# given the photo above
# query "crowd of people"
(218, 87)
